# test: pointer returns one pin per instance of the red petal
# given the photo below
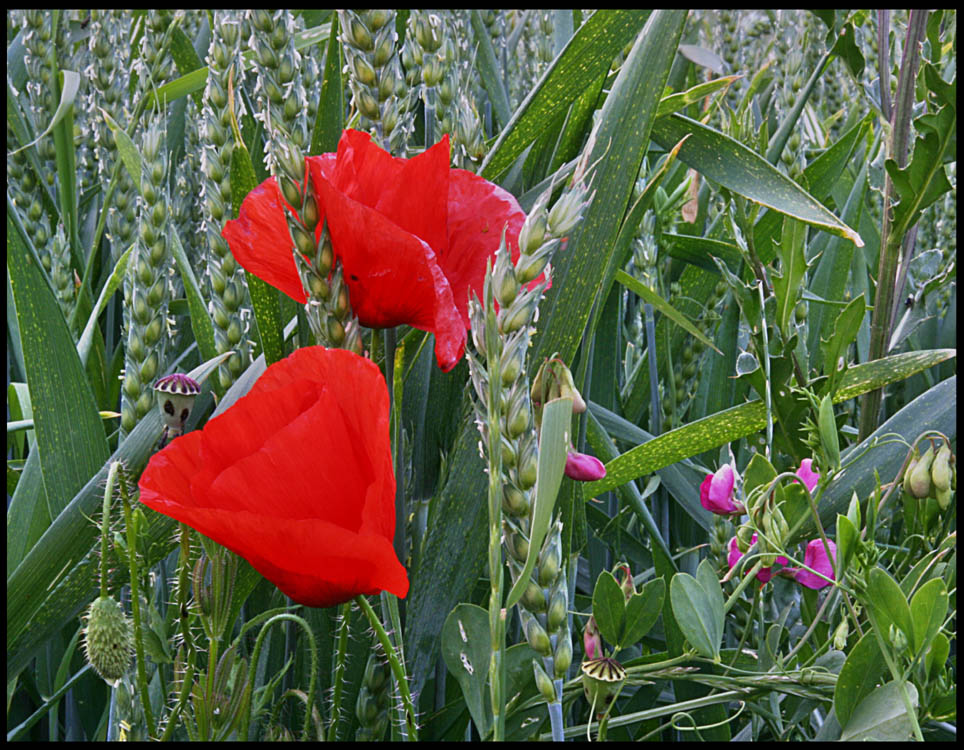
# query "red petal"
(393, 276)
(296, 477)
(477, 213)
(260, 240)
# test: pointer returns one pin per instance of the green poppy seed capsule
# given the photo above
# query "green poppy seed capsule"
(920, 477)
(543, 682)
(108, 639)
(537, 637)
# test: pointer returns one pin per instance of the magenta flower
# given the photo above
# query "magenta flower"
(815, 557)
(716, 492)
(584, 468)
(807, 475)
(734, 555)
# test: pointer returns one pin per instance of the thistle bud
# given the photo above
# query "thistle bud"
(543, 682)
(108, 640)
(920, 477)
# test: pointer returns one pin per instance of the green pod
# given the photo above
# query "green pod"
(941, 469)
(829, 439)
(920, 477)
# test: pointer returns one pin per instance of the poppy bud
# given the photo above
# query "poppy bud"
(108, 639)
(920, 477)
(543, 682)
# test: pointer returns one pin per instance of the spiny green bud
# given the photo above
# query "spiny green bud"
(543, 682)
(920, 477)
(108, 639)
(941, 469)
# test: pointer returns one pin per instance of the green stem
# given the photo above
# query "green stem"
(135, 603)
(744, 582)
(338, 678)
(115, 467)
(393, 661)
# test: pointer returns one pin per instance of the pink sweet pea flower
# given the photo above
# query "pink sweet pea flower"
(716, 492)
(591, 640)
(815, 557)
(807, 475)
(734, 555)
(584, 468)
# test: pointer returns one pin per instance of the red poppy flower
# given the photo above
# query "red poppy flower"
(296, 477)
(413, 236)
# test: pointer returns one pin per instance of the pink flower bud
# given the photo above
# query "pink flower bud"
(807, 475)
(584, 468)
(815, 557)
(592, 641)
(716, 492)
(734, 555)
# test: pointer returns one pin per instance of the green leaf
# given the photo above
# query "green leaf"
(554, 443)
(696, 94)
(757, 473)
(642, 611)
(609, 607)
(264, 298)
(847, 539)
(45, 591)
(739, 421)
(845, 330)
(586, 57)
(700, 251)
(113, 284)
(937, 656)
(489, 70)
(888, 602)
(200, 319)
(699, 617)
(787, 283)
(733, 165)
(928, 609)
(620, 140)
(185, 58)
(329, 122)
(70, 437)
(924, 179)
(858, 676)
(647, 295)
(466, 651)
(882, 716)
